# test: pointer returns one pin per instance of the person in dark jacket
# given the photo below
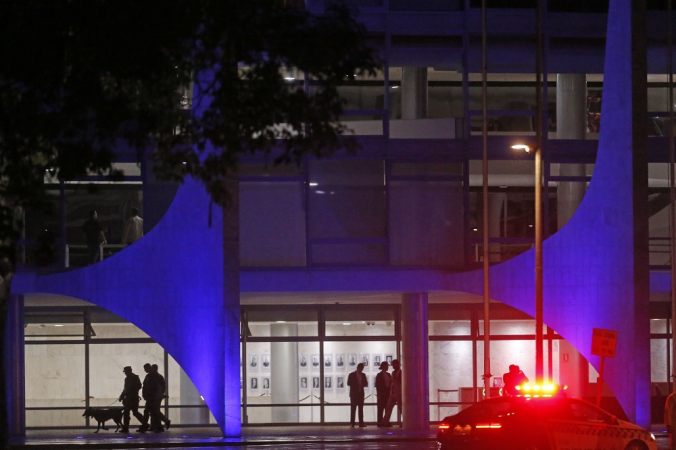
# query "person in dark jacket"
(357, 382)
(94, 237)
(162, 389)
(383, 386)
(151, 386)
(130, 399)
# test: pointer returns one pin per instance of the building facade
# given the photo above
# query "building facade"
(376, 256)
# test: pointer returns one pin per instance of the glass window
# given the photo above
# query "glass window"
(282, 373)
(273, 232)
(426, 223)
(450, 369)
(347, 199)
(55, 378)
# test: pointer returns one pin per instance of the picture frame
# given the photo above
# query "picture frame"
(303, 362)
(253, 383)
(365, 359)
(352, 361)
(376, 360)
(303, 383)
(340, 383)
(328, 362)
(253, 362)
(265, 362)
(315, 383)
(328, 383)
(340, 363)
(314, 362)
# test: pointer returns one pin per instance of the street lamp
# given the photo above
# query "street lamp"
(539, 322)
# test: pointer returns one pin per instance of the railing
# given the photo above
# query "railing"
(105, 250)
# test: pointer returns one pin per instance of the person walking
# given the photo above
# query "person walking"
(357, 381)
(149, 393)
(129, 398)
(383, 386)
(161, 390)
(670, 419)
(94, 236)
(395, 393)
(133, 228)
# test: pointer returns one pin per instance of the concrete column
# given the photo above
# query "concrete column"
(415, 366)
(571, 97)
(284, 373)
(413, 93)
(15, 362)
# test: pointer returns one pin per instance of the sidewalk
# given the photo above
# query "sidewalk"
(209, 437)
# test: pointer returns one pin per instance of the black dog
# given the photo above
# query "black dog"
(101, 415)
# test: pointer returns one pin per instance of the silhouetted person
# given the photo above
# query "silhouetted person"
(515, 377)
(357, 382)
(150, 393)
(395, 393)
(94, 236)
(130, 399)
(133, 228)
(162, 389)
(383, 386)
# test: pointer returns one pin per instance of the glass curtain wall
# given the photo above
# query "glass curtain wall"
(74, 359)
(295, 360)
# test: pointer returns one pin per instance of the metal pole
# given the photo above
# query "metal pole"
(672, 188)
(539, 350)
(486, 256)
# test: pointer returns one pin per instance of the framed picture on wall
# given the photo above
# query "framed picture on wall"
(303, 363)
(314, 361)
(315, 383)
(253, 363)
(340, 382)
(265, 362)
(265, 384)
(328, 362)
(328, 383)
(303, 384)
(340, 361)
(253, 383)
(364, 359)
(352, 361)
(389, 357)
(377, 358)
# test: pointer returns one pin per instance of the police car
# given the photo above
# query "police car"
(540, 418)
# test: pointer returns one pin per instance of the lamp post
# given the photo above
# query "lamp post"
(539, 322)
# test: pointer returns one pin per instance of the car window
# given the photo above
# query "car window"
(588, 413)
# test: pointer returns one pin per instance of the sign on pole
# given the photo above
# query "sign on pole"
(603, 344)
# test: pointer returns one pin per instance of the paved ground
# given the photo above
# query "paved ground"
(328, 437)
(253, 438)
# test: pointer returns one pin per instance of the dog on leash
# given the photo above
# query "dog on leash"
(101, 415)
